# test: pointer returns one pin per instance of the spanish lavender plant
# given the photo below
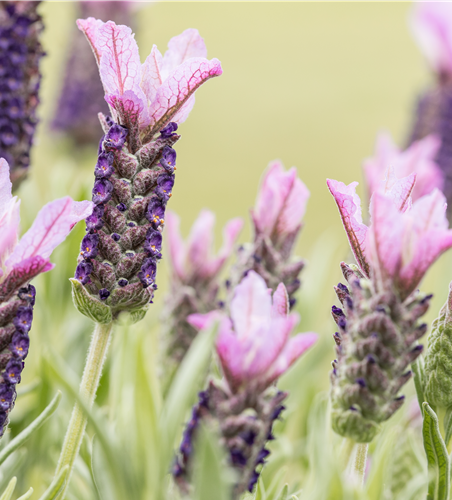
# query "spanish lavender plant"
(21, 261)
(276, 218)
(82, 96)
(254, 349)
(194, 276)
(379, 324)
(432, 24)
(134, 177)
(20, 30)
(419, 159)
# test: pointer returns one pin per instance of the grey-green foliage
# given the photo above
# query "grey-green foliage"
(8, 493)
(438, 359)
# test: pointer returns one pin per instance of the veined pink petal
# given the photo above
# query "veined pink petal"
(200, 242)
(120, 66)
(399, 190)
(280, 301)
(90, 28)
(426, 237)
(129, 107)
(417, 159)
(204, 321)
(275, 188)
(431, 23)
(251, 305)
(151, 78)
(50, 228)
(230, 234)
(180, 48)
(231, 353)
(5, 186)
(179, 87)
(294, 348)
(176, 244)
(294, 208)
(385, 238)
(9, 228)
(349, 206)
(184, 111)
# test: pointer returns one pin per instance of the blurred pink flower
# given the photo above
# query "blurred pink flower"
(193, 260)
(254, 344)
(281, 202)
(158, 91)
(403, 239)
(22, 260)
(431, 23)
(418, 159)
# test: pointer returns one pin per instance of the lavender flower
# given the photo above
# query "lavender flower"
(19, 263)
(378, 325)
(20, 30)
(82, 96)
(431, 23)
(279, 209)
(132, 187)
(194, 276)
(254, 349)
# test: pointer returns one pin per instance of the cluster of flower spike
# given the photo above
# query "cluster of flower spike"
(16, 315)
(243, 435)
(20, 28)
(119, 254)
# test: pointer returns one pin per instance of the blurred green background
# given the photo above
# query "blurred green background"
(309, 83)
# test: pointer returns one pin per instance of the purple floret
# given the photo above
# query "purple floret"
(148, 272)
(153, 243)
(169, 130)
(19, 345)
(104, 166)
(23, 319)
(168, 160)
(165, 183)
(7, 395)
(28, 293)
(115, 137)
(104, 294)
(102, 191)
(88, 248)
(156, 212)
(12, 371)
(94, 221)
(83, 271)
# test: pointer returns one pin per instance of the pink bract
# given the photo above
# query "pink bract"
(431, 24)
(254, 344)
(156, 92)
(53, 223)
(193, 259)
(281, 202)
(417, 159)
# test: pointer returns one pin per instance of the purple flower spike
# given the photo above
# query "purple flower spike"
(23, 319)
(83, 271)
(156, 212)
(12, 372)
(153, 243)
(94, 221)
(104, 166)
(104, 294)
(169, 130)
(168, 160)
(88, 248)
(7, 395)
(165, 183)
(19, 345)
(102, 191)
(147, 273)
(28, 293)
(115, 137)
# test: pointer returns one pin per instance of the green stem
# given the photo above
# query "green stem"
(88, 387)
(359, 465)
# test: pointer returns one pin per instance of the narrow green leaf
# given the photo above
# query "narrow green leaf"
(26, 495)
(284, 493)
(448, 425)
(418, 375)
(260, 490)
(8, 493)
(186, 383)
(437, 456)
(26, 433)
(56, 485)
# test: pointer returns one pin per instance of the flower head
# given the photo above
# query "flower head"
(148, 96)
(281, 202)
(403, 239)
(417, 159)
(254, 344)
(193, 259)
(431, 22)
